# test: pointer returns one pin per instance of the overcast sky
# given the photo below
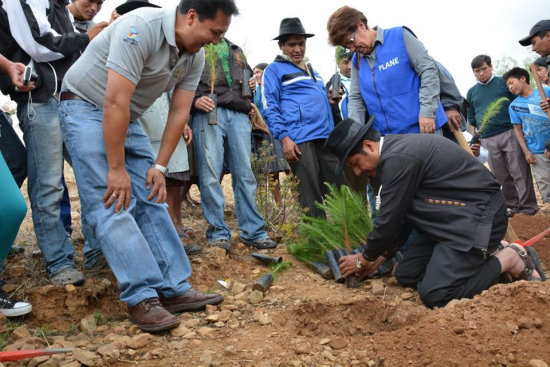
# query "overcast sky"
(453, 32)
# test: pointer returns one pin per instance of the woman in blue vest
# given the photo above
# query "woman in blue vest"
(393, 77)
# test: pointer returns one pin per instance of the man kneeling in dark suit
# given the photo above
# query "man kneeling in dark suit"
(429, 183)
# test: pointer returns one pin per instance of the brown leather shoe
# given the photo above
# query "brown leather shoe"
(192, 300)
(150, 316)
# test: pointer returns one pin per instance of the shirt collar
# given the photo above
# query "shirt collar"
(380, 145)
(169, 25)
(379, 35)
(488, 81)
(305, 60)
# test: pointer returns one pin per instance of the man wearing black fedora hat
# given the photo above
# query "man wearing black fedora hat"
(434, 186)
(299, 115)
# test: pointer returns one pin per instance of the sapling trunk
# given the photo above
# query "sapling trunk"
(322, 269)
(268, 260)
(334, 266)
(246, 92)
(475, 139)
(211, 59)
(263, 283)
(336, 84)
(213, 115)
(352, 281)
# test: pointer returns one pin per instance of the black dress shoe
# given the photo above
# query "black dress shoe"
(192, 300)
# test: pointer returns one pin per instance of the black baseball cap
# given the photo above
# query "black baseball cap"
(540, 26)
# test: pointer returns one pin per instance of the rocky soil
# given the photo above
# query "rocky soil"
(302, 320)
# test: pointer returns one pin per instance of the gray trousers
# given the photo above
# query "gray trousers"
(315, 167)
(541, 171)
(510, 168)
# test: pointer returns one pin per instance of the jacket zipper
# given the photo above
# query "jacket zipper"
(380, 101)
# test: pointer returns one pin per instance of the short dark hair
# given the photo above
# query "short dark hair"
(207, 9)
(479, 60)
(541, 61)
(516, 73)
(261, 66)
(371, 134)
(282, 39)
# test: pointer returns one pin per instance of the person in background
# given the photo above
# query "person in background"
(153, 123)
(83, 12)
(506, 158)
(41, 36)
(299, 115)
(227, 140)
(542, 70)
(340, 106)
(539, 40)
(12, 203)
(279, 164)
(393, 77)
(531, 126)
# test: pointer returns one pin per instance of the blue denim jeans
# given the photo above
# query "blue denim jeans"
(43, 139)
(140, 244)
(230, 138)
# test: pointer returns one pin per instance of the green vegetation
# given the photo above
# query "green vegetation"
(43, 331)
(347, 222)
(211, 59)
(281, 218)
(278, 269)
(100, 318)
(491, 111)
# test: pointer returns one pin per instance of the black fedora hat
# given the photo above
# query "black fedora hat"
(540, 26)
(130, 5)
(344, 137)
(292, 26)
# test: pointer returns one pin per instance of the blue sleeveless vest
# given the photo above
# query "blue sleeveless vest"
(391, 89)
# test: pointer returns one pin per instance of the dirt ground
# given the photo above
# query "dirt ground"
(302, 320)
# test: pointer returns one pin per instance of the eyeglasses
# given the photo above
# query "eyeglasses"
(351, 40)
(483, 69)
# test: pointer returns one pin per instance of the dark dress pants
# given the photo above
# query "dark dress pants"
(315, 167)
(441, 274)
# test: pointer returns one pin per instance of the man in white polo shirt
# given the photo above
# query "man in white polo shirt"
(121, 186)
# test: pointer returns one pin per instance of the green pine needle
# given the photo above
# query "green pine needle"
(211, 59)
(317, 235)
(492, 110)
(277, 269)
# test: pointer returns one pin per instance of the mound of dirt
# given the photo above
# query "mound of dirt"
(302, 320)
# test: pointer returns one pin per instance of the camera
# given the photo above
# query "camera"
(29, 75)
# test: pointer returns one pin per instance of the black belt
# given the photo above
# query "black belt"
(68, 95)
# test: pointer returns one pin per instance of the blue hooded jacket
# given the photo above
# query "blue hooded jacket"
(295, 102)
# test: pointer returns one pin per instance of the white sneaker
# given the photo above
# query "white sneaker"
(11, 307)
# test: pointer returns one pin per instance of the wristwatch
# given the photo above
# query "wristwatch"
(358, 263)
(160, 168)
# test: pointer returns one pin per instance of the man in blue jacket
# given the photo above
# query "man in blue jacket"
(299, 115)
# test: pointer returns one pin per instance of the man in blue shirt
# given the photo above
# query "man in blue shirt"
(531, 125)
